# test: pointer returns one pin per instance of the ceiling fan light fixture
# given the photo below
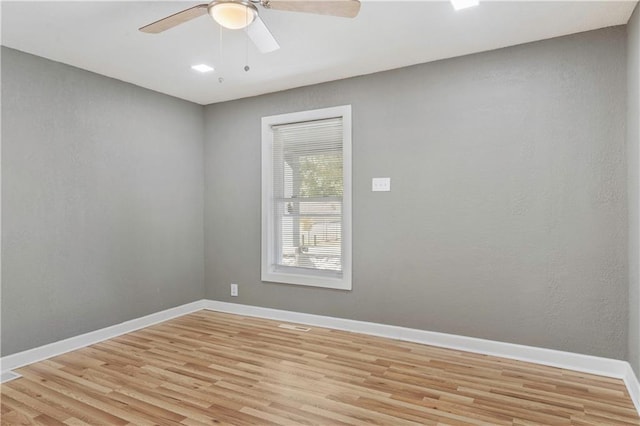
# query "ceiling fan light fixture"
(233, 15)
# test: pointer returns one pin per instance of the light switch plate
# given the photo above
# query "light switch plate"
(381, 184)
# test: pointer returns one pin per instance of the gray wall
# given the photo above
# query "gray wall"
(102, 201)
(507, 218)
(633, 157)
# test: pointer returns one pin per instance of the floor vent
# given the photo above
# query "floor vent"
(294, 327)
(7, 376)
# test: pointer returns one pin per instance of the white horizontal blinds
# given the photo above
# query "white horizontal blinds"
(308, 188)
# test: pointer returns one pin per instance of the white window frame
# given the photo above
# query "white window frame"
(296, 276)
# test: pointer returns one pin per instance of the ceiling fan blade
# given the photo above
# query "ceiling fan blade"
(175, 19)
(343, 8)
(261, 36)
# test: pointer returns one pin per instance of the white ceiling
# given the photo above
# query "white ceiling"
(103, 37)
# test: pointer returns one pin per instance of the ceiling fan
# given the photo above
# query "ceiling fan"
(243, 14)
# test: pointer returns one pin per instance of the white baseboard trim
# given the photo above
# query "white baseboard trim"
(631, 380)
(8, 376)
(571, 361)
(20, 359)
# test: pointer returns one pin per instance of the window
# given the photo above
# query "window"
(306, 198)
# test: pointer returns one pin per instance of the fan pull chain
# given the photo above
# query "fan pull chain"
(246, 41)
(220, 79)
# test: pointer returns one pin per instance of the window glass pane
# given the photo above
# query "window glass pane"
(308, 185)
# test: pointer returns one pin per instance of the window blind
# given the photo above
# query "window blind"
(307, 195)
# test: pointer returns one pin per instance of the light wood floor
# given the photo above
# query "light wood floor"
(212, 368)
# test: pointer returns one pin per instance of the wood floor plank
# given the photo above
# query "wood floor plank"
(212, 368)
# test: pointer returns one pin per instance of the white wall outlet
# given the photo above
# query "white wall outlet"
(381, 184)
(234, 290)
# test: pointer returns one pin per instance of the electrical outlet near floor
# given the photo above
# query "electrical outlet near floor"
(234, 289)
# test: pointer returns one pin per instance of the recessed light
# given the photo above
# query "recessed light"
(463, 4)
(202, 68)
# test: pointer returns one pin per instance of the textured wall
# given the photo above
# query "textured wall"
(507, 218)
(633, 159)
(102, 201)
